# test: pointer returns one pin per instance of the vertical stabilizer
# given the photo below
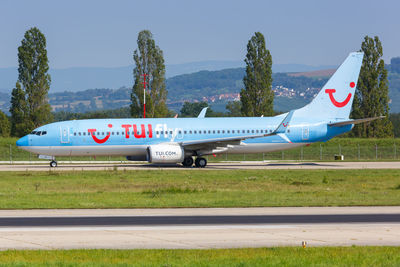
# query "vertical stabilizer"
(335, 99)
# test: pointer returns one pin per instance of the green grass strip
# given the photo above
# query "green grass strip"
(283, 256)
(198, 188)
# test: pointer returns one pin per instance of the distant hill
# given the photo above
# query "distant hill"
(292, 90)
(215, 87)
(314, 74)
(78, 79)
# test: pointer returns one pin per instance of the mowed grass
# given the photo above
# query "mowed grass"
(198, 188)
(283, 256)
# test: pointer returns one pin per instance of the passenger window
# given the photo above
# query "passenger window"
(190, 132)
(194, 132)
(170, 132)
(223, 131)
(209, 131)
(74, 134)
(228, 131)
(184, 132)
(243, 131)
(117, 133)
(84, 133)
(214, 132)
(79, 133)
(256, 131)
(180, 132)
(248, 131)
(161, 132)
(218, 131)
(261, 131)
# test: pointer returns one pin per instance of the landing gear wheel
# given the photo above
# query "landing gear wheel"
(201, 162)
(53, 164)
(187, 162)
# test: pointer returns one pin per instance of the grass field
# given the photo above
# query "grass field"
(198, 188)
(283, 256)
(351, 148)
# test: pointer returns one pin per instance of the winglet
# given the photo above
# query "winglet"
(285, 123)
(202, 113)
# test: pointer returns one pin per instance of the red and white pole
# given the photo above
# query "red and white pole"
(144, 95)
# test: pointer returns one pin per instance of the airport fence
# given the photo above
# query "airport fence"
(351, 151)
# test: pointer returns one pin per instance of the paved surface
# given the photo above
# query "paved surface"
(211, 166)
(199, 228)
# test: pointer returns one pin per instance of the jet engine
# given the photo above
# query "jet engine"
(165, 153)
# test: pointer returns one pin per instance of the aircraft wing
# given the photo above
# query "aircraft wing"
(342, 123)
(233, 140)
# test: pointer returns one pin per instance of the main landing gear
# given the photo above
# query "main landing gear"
(187, 162)
(199, 163)
(53, 163)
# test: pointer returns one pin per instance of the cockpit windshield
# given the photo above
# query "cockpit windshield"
(39, 133)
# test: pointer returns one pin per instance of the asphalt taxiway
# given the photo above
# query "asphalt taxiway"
(199, 228)
(93, 166)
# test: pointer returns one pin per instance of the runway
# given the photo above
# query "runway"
(93, 166)
(199, 228)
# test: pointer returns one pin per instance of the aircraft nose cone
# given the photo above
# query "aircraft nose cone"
(23, 141)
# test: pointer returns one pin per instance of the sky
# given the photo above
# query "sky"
(103, 33)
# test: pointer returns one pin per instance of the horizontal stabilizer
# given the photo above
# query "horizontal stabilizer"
(342, 123)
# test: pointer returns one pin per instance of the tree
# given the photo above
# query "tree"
(371, 98)
(257, 97)
(234, 109)
(33, 84)
(4, 125)
(193, 109)
(149, 60)
(20, 122)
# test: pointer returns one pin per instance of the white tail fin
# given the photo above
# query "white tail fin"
(335, 99)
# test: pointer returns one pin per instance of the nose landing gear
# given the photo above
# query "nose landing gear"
(53, 163)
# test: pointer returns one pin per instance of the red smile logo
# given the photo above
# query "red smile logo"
(333, 100)
(97, 140)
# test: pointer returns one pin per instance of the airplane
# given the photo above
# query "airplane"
(179, 140)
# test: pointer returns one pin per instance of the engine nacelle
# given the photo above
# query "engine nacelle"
(165, 153)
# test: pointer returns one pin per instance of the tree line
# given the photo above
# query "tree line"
(30, 108)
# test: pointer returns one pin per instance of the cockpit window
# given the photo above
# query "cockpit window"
(39, 133)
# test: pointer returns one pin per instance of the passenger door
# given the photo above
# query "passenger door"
(64, 134)
(305, 133)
